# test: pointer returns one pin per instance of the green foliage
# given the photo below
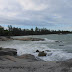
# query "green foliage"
(13, 31)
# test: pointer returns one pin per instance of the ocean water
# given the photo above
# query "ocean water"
(60, 46)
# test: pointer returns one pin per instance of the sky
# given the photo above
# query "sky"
(51, 14)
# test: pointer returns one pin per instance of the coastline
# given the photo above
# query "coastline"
(28, 63)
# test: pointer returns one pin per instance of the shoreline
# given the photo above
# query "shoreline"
(28, 63)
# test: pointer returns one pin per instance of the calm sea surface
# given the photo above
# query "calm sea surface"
(60, 46)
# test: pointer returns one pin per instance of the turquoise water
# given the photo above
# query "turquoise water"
(60, 46)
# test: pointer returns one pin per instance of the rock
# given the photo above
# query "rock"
(37, 50)
(61, 45)
(1, 48)
(42, 53)
(29, 39)
(27, 56)
(8, 51)
(58, 41)
(5, 38)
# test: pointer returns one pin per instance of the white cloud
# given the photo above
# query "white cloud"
(30, 5)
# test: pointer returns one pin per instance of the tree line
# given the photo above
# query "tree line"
(15, 31)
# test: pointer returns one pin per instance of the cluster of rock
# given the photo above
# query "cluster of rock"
(2, 38)
(11, 54)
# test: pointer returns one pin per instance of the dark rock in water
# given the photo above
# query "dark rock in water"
(1, 48)
(42, 53)
(61, 45)
(58, 41)
(37, 50)
(8, 51)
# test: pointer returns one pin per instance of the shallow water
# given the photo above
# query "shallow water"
(59, 51)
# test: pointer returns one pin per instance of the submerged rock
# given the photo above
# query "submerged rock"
(42, 53)
(58, 41)
(61, 45)
(8, 51)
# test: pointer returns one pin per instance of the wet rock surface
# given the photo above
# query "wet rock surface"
(42, 53)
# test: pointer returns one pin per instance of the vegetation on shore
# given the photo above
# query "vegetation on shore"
(13, 31)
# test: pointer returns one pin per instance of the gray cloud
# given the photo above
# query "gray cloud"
(44, 13)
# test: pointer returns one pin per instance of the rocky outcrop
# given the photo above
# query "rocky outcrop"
(5, 38)
(29, 39)
(8, 51)
(42, 53)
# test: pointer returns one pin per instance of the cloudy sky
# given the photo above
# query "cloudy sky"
(52, 14)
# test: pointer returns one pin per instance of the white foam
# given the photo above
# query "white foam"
(30, 47)
(49, 40)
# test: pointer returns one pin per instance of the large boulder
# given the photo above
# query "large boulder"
(8, 51)
(42, 53)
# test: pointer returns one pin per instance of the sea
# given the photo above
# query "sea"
(57, 47)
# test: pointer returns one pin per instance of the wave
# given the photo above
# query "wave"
(30, 47)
